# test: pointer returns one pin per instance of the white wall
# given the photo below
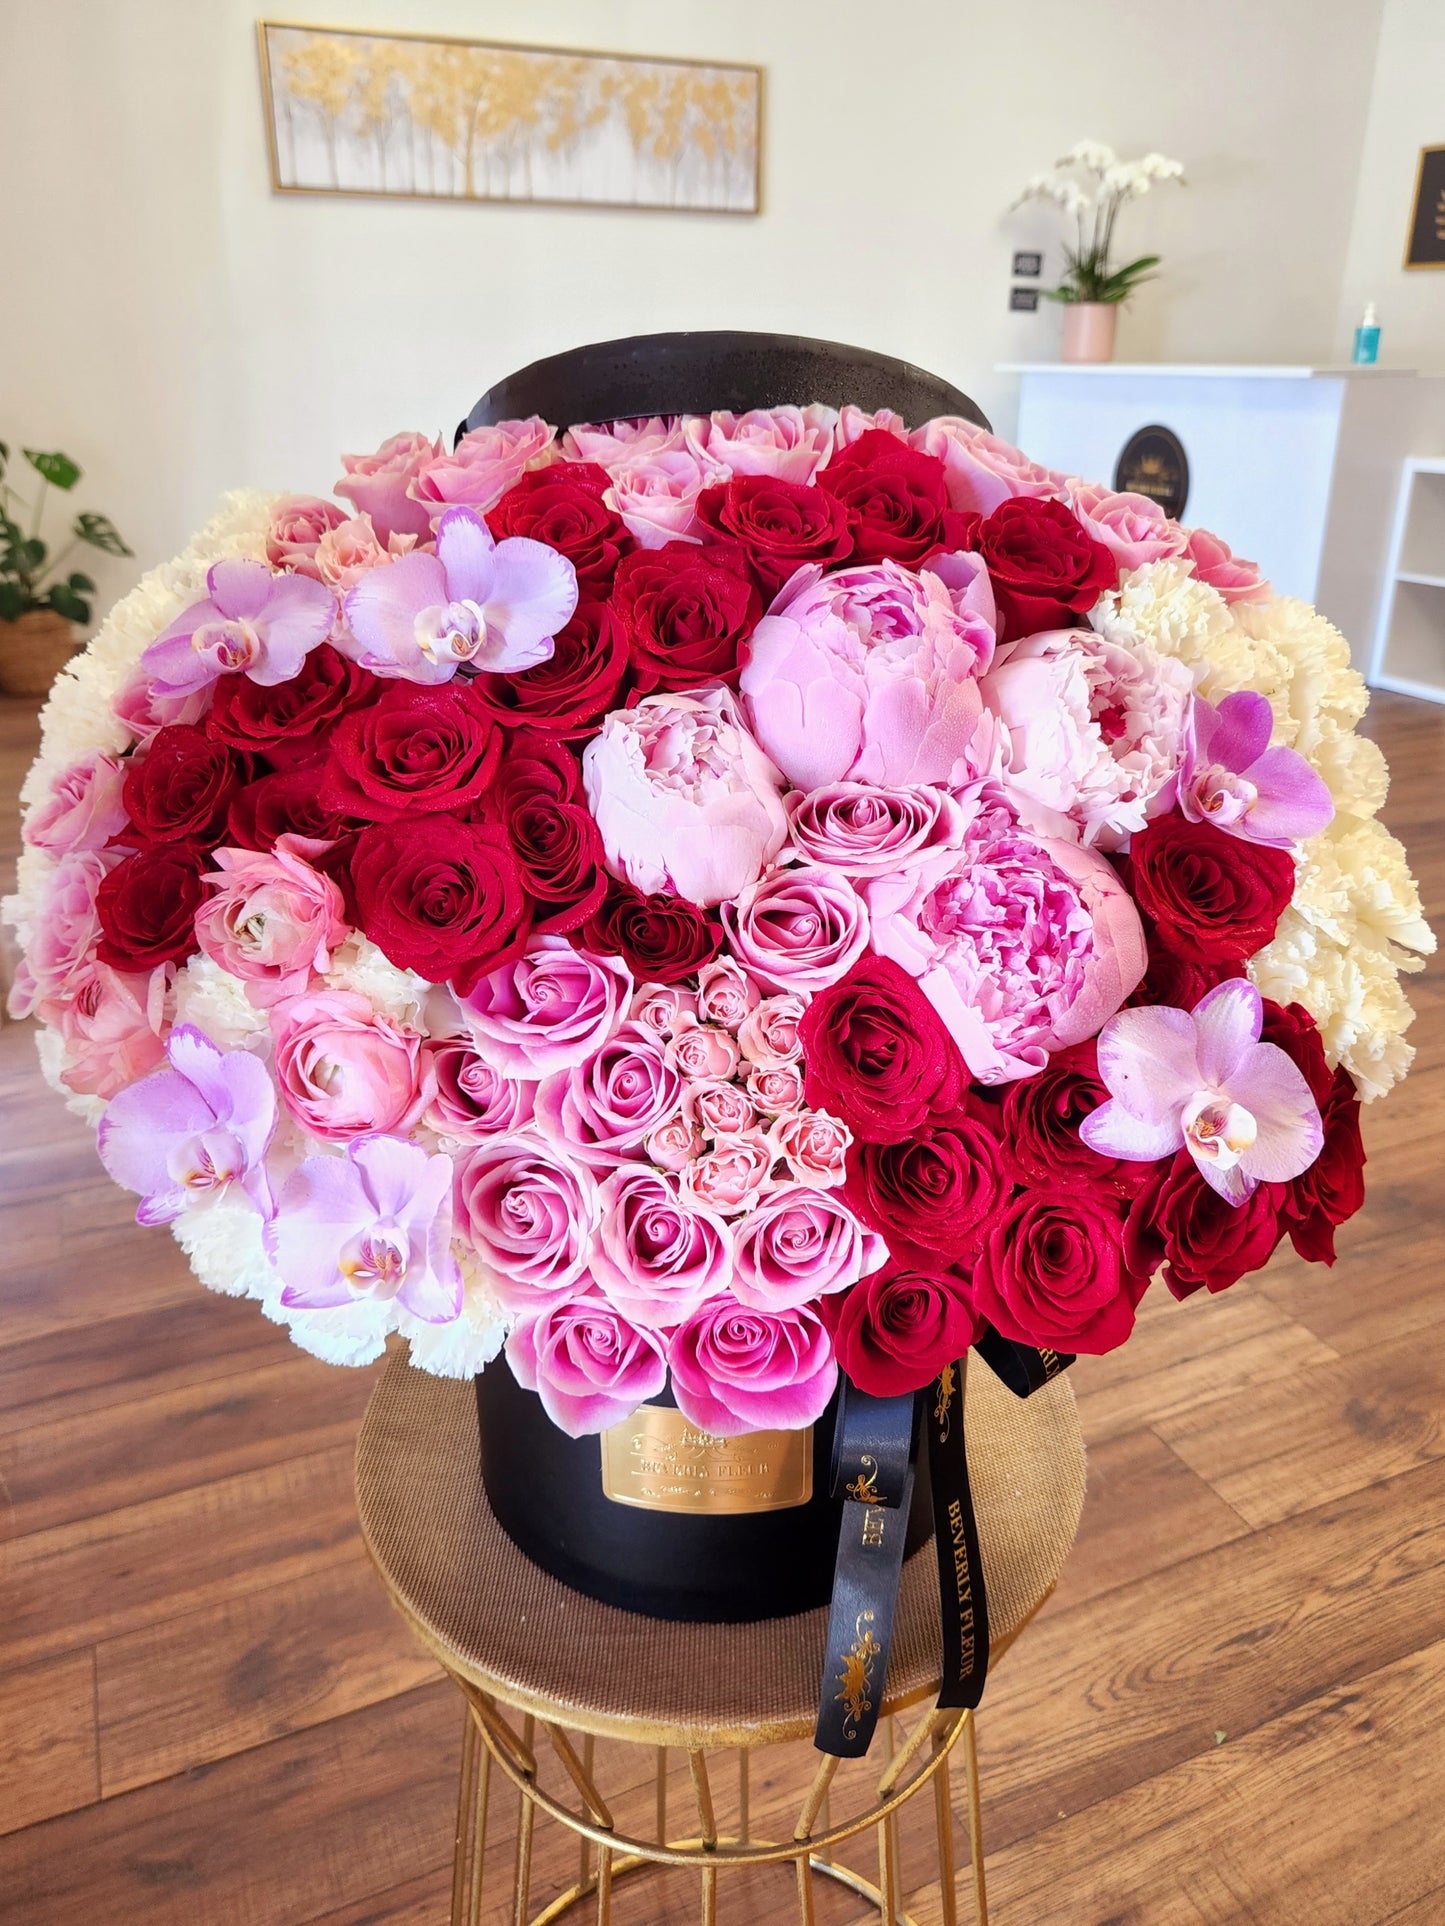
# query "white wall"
(1407, 112)
(182, 330)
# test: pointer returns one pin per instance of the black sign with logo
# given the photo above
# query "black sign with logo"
(1028, 266)
(1427, 224)
(1152, 462)
(1023, 300)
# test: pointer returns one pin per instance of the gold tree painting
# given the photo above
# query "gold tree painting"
(364, 113)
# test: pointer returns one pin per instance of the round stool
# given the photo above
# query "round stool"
(511, 1637)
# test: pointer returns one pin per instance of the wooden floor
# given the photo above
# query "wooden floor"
(1232, 1710)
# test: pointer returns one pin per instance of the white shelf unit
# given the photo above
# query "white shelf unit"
(1409, 651)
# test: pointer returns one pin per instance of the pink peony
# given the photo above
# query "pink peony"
(814, 1146)
(603, 1109)
(777, 1089)
(868, 674)
(113, 1027)
(380, 484)
(1216, 563)
(548, 1011)
(83, 810)
(483, 466)
(719, 1109)
(589, 1366)
(686, 801)
(273, 920)
(655, 492)
(530, 1212)
(725, 993)
(656, 1258)
(733, 1175)
(661, 1008)
(800, 1245)
(768, 1035)
(472, 1102)
(702, 1050)
(789, 443)
(981, 470)
(344, 1069)
(298, 523)
(866, 830)
(1134, 529)
(736, 1369)
(798, 929)
(352, 549)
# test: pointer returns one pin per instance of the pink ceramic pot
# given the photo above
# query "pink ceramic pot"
(1089, 328)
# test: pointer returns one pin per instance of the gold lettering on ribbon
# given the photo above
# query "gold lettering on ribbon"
(947, 1385)
(963, 1586)
(1050, 1362)
(856, 1677)
(864, 1491)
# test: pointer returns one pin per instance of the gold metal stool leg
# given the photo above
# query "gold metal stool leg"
(975, 1820)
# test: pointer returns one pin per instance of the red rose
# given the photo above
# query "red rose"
(147, 907)
(559, 848)
(414, 751)
(572, 690)
(1053, 1272)
(938, 1188)
(1212, 897)
(442, 897)
(687, 612)
(1206, 1243)
(562, 506)
(878, 1056)
(285, 803)
(1291, 1027)
(895, 1331)
(1333, 1188)
(1177, 981)
(534, 765)
(660, 938)
(180, 788)
(779, 525)
(287, 723)
(1045, 570)
(895, 498)
(1040, 1122)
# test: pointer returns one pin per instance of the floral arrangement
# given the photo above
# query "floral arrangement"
(717, 901)
(1093, 186)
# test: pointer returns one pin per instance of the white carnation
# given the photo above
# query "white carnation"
(459, 1349)
(1355, 773)
(351, 1334)
(399, 994)
(216, 1002)
(222, 1239)
(1353, 995)
(1164, 605)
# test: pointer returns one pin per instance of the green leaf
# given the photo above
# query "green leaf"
(31, 555)
(4, 456)
(82, 584)
(13, 601)
(67, 603)
(59, 470)
(100, 531)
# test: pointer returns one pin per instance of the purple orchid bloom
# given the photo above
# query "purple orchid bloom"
(375, 1223)
(1233, 779)
(252, 623)
(192, 1130)
(1203, 1082)
(477, 602)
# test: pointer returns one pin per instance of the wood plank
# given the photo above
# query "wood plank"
(420, 1902)
(1385, 1284)
(48, 1759)
(248, 1670)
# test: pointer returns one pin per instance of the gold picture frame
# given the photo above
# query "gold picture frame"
(354, 111)
(1425, 236)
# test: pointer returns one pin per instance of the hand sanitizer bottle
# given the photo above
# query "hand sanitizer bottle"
(1367, 338)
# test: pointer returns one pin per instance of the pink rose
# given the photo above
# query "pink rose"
(380, 484)
(815, 1147)
(799, 1245)
(611, 444)
(854, 421)
(674, 1144)
(483, 466)
(790, 443)
(732, 1176)
(768, 1035)
(1134, 529)
(273, 920)
(725, 993)
(587, 1364)
(473, 1102)
(352, 549)
(298, 522)
(655, 492)
(530, 1212)
(870, 674)
(83, 810)
(113, 1027)
(702, 1050)
(1216, 563)
(798, 929)
(1022, 945)
(344, 1070)
(65, 933)
(656, 1258)
(735, 1369)
(718, 1109)
(776, 1089)
(660, 1008)
(548, 1011)
(686, 801)
(865, 830)
(603, 1109)
(981, 470)
(145, 708)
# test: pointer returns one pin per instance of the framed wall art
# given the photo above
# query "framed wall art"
(1426, 245)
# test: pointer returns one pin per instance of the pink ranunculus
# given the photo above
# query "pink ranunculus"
(65, 933)
(768, 1035)
(83, 810)
(1092, 733)
(473, 1102)
(145, 708)
(674, 1144)
(589, 1366)
(344, 1069)
(273, 920)
(661, 1008)
(814, 1146)
(657, 1258)
(789, 443)
(1023, 945)
(352, 549)
(380, 484)
(800, 1245)
(778, 1089)
(725, 993)
(656, 493)
(553, 1008)
(702, 1050)
(868, 674)
(1216, 564)
(686, 801)
(854, 421)
(865, 830)
(980, 469)
(798, 929)
(113, 1027)
(609, 444)
(483, 466)
(1134, 529)
(298, 523)
(733, 1175)
(530, 1211)
(604, 1108)
(718, 1108)
(735, 1369)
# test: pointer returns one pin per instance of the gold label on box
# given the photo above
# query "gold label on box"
(657, 1460)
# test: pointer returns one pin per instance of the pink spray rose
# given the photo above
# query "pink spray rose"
(657, 1258)
(472, 1101)
(686, 801)
(602, 1109)
(814, 1146)
(674, 1144)
(548, 1011)
(719, 1109)
(610, 444)
(380, 484)
(530, 1212)
(273, 920)
(725, 993)
(702, 1050)
(66, 932)
(1134, 529)
(145, 707)
(738, 1369)
(768, 1035)
(865, 830)
(590, 1367)
(298, 522)
(660, 1009)
(776, 1089)
(655, 493)
(789, 443)
(1216, 563)
(113, 1027)
(854, 421)
(352, 549)
(731, 1176)
(83, 810)
(798, 929)
(344, 1069)
(800, 1245)
(868, 674)
(483, 466)
(981, 470)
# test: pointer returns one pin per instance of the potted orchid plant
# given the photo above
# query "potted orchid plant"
(39, 600)
(1093, 185)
